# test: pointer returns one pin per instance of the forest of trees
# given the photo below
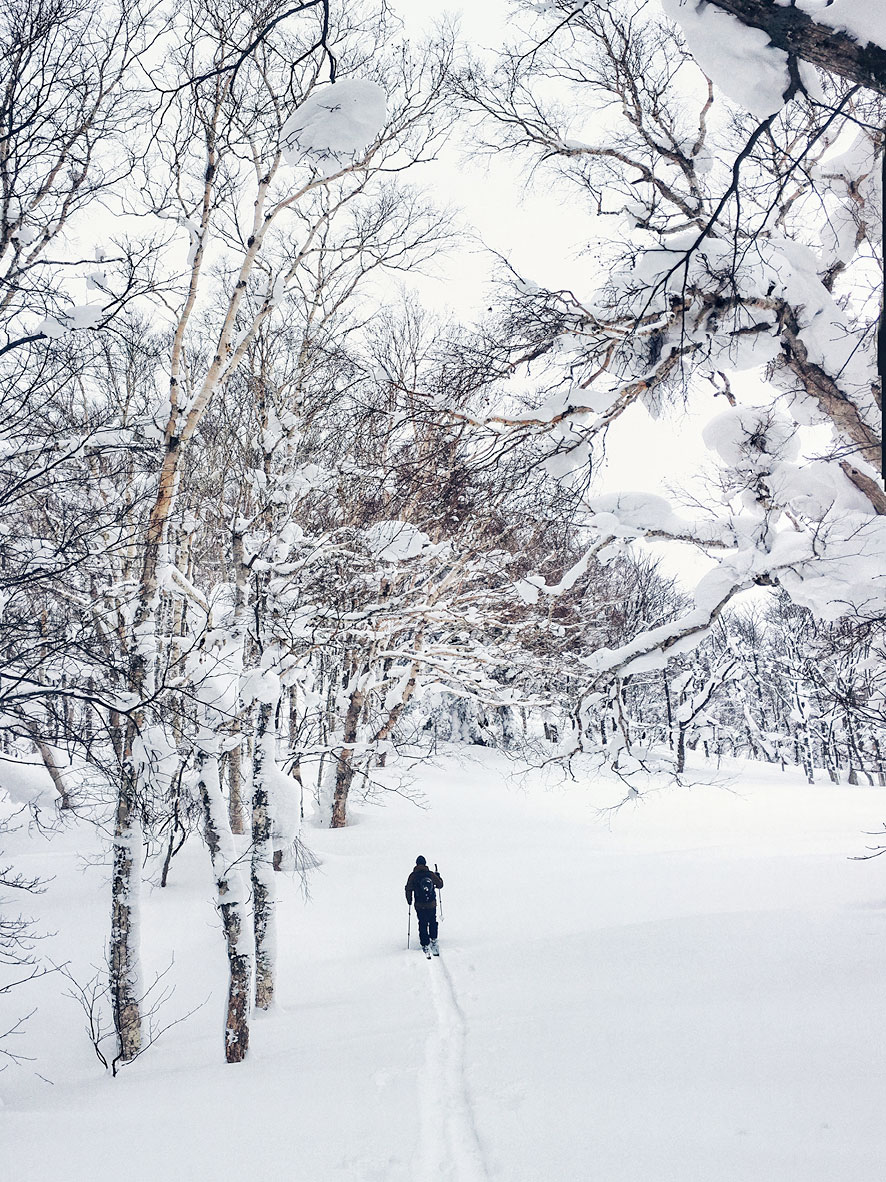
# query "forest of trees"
(265, 520)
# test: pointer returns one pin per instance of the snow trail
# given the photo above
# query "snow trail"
(692, 984)
(450, 1146)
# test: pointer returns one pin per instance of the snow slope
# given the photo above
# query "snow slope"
(688, 989)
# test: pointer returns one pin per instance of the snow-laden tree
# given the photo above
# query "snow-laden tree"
(373, 544)
(69, 105)
(257, 161)
(246, 137)
(725, 243)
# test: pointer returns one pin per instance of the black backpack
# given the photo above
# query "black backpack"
(425, 895)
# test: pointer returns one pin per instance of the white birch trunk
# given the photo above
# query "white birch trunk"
(124, 975)
(232, 902)
(264, 887)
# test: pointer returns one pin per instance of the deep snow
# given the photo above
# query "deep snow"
(687, 990)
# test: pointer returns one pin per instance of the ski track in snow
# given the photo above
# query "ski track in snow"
(449, 1147)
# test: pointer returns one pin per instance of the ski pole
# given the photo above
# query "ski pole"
(408, 925)
(436, 871)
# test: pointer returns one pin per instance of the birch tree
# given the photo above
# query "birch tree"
(252, 159)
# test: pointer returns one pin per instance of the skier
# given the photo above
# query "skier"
(420, 884)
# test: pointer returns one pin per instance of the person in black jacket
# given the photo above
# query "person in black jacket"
(420, 885)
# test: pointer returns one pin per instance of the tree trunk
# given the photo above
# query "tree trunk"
(125, 981)
(125, 879)
(385, 731)
(758, 691)
(177, 835)
(802, 739)
(669, 710)
(241, 628)
(232, 897)
(235, 790)
(680, 749)
(53, 769)
(856, 762)
(344, 771)
(881, 767)
(262, 866)
(296, 775)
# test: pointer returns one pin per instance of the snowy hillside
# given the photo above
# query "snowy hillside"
(686, 990)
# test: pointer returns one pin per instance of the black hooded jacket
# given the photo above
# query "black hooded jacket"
(410, 886)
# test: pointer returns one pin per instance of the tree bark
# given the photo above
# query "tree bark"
(231, 906)
(387, 728)
(235, 790)
(802, 741)
(123, 951)
(344, 771)
(262, 866)
(241, 627)
(680, 765)
(881, 766)
(669, 709)
(53, 770)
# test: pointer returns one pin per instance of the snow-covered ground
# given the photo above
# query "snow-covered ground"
(688, 990)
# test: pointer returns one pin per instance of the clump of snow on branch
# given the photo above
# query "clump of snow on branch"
(842, 566)
(752, 438)
(80, 316)
(25, 235)
(629, 515)
(814, 488)
(736, 57)
(23, 784)
(154, 753)
(576, 403)
(336, 121)
(393, 541)
(529, 587)
(260, 685)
